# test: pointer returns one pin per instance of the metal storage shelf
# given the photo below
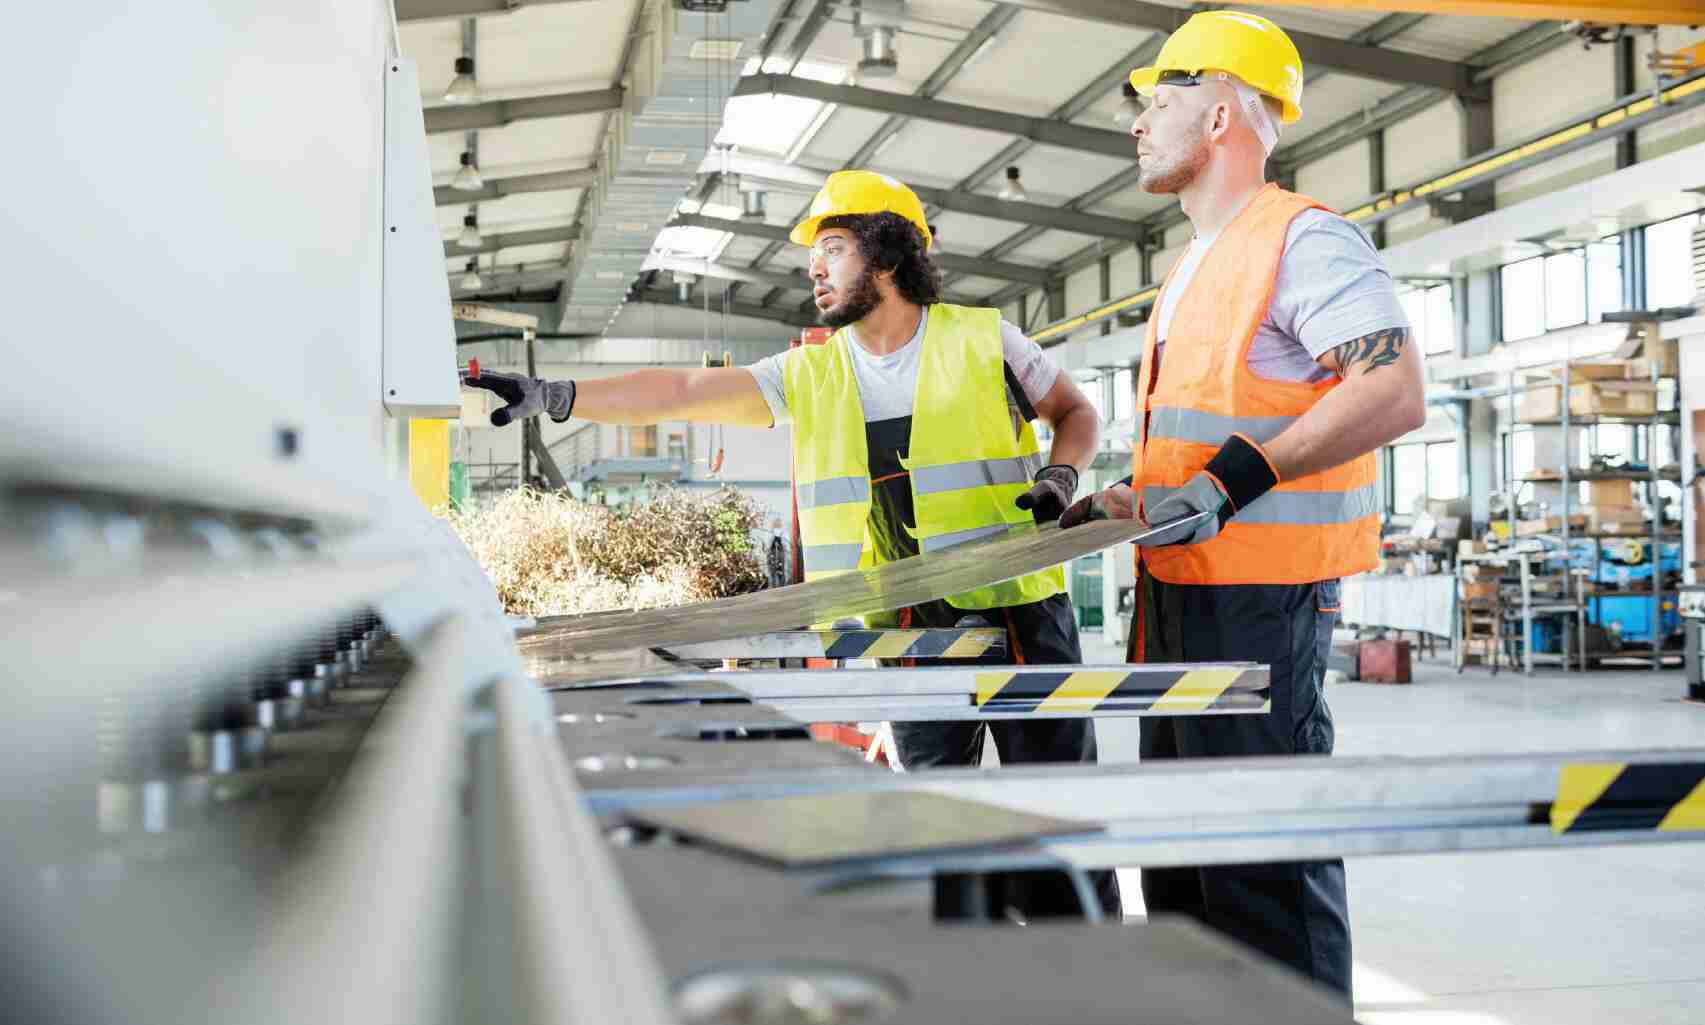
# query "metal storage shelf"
(1671, 474)
(1566, 476)
(1663, 417)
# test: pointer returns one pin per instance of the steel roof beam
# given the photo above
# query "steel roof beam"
(509, 240)
(1032, 276)
(1510, 52)
(792, 176)
(1326, 52)
(498, 113)
(1040, 129)
(497, 188)
(443, 10)
(781, 315)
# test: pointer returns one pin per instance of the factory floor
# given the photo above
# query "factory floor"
(1613, 934)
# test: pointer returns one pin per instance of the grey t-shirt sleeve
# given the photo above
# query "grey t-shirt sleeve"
(768, 373)
(1036, 373)
(1332, 286)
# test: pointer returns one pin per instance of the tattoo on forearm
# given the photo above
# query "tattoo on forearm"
(1372, 351)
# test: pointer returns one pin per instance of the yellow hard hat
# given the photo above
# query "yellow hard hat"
(861, 192)
(1246, 45)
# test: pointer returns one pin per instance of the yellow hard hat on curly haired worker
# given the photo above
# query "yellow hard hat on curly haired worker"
(1277, 360)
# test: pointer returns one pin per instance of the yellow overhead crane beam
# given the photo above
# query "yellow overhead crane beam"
(1609, 12)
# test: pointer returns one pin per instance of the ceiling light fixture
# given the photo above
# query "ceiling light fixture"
(876, 23)
(471, 279)
(1013, 190)
(464, 88)
(468, 179)
(470, 236)
(684, 283)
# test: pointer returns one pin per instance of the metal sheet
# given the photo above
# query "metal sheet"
(706, 910)
(1221, 811)
(895, 585)
(820, 830)
(968, 642)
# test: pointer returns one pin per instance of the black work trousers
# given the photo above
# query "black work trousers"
(1296, 912)
(1038, 633)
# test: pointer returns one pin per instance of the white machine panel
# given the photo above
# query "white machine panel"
(419, 337)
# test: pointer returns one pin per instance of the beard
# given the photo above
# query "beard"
(862, 297)
(1168, 174)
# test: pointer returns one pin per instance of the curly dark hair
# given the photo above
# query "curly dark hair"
(887, 242)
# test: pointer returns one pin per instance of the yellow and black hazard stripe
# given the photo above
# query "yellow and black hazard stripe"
(966, 642)
(1595, 796)
(1182, 690)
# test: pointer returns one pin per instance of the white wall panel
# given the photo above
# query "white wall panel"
(1545, 94)
(1083, 290)
(1340, 179)
(1424, 145)
(1127, 271)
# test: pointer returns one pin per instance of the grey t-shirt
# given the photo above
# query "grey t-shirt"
(887, 384)
(1331, 289)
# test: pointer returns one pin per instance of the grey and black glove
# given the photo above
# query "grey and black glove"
(526, 396)
(1052, 492)
(1237, 475)
(1089, 507)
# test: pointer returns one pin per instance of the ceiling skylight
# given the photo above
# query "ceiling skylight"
(778, 124)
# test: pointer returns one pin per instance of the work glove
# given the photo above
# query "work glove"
(1237, 475)
(1109, 504)
(526, 396)
(1052, 492)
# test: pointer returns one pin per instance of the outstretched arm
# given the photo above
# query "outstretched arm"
(718, 395)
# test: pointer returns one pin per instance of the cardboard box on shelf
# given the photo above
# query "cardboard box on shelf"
(1472, 590)
(1547, 525)
(1596, 370)
(1590, 398)
(1470, 547)
(1632, 524)
(1611, 493)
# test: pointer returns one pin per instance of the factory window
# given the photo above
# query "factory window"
(1518, 456)
(1523, 292)
(1408, 478)
(1432, 317)
(1443, 480)
(1124, 394)
(1669, 262)
(1604, 278)
(1566, 289)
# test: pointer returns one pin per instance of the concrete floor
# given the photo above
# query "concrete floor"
(1614, 934)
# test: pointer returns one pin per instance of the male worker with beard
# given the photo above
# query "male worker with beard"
(1277, 360)
(912, 433)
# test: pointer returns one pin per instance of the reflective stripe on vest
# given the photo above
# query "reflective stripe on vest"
(1213, 428)
(1319, 527)
(831, 558)
(930, 480)
(968, 461)
(1305, 508)
(834, 491)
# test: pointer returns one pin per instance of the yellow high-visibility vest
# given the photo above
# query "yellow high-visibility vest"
(967, 464)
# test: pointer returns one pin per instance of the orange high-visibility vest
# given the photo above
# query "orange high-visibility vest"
(1314, 528)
